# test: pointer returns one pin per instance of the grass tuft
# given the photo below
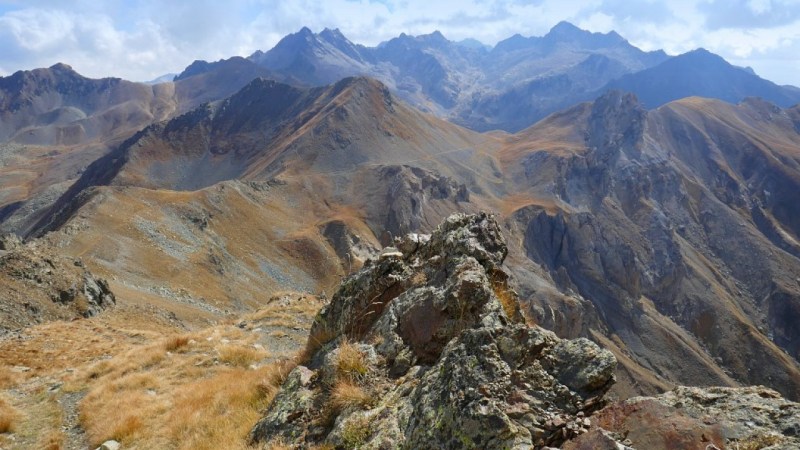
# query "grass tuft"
(351, 364)
(348, 395)
(240, 356)
(8, 416)
(8, 378)
(176, 343)
(355, 432)
(508, 299)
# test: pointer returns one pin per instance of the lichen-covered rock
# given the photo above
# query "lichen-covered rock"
(706, 418)
(425, 348)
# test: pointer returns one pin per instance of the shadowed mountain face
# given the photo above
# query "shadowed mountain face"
(668, 236)
(704, 74)
(55, 122)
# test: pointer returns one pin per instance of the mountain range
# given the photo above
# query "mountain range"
(648, 202)
(517, 82)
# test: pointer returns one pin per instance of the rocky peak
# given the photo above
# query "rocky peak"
(616, 124)
(333, 35)
(425, 347)
(63, 68)
(565, 32)
(565, 29)
(435, 39)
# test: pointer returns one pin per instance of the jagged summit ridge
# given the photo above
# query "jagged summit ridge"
(444, 353)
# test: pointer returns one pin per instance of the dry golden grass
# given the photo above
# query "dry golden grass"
(145, 387)
(351, 363)
(508, 299)
(207, 395)
(53, 440)
(38, 422)
(219, 411)
(239, 356)
(8, 416)
(7, 377)
(176, 343)
(346, 394)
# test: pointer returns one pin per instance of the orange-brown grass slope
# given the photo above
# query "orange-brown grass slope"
(204, 254)
(129, 378)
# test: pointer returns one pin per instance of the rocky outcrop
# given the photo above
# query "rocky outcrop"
(38, 284)
(700, 418)
(410, 190)
(425, 347)
(351, 248)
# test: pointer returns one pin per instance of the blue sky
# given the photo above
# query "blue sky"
(142, 39)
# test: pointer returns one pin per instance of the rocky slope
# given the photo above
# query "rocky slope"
(38, 284)
(274, 188)
(661, 229)
(425, 347)
(55, 122)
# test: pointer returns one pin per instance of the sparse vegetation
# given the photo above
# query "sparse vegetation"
(507, 298)
(176, 343)
(8, 416)
(419, 278)
(346, 394)
(239, 356)
(756, 442)
(351, 363)
(277, 444)
(356, 431)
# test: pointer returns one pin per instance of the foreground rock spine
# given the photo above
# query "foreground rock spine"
(425, 347)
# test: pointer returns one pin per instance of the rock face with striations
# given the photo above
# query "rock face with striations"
(425, 347)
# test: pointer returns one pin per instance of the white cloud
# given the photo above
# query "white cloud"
(142, 39)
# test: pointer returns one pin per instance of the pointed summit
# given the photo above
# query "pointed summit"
(61, 67)
(434, 38)
(567, 32)
(565, 28)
